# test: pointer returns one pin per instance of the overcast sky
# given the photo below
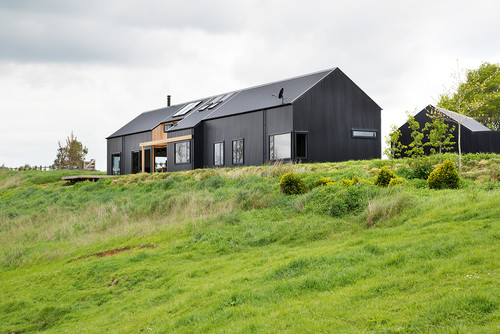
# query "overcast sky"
(91, 66)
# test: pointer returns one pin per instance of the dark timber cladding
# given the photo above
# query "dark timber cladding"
(322, 116)
(329, 112)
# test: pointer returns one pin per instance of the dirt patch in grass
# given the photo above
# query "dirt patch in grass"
(111, 252)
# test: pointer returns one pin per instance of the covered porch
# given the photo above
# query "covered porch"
(159, 149)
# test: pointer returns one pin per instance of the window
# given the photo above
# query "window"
(115, 164)
(367, 134)
(183, 152)
(187, 108)
(136, 162)
(238, 152)
(167, 126)
(160, 155)
(301, 145)
(219, 154)
(218, 100)
(280, 147)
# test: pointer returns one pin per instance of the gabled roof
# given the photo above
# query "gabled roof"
(240, 101)
(466, 121)
(146, 121)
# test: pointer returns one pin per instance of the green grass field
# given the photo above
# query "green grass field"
(223, 251)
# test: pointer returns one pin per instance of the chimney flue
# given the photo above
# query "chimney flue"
(168, 100)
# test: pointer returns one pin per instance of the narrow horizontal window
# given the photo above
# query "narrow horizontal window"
(367, 134)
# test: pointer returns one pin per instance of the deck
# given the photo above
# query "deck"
(78, 178)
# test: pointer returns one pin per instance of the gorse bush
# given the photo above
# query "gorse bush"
(396, 181)
(384, 177)
(322, 181)
(445, 176)
(292, 184)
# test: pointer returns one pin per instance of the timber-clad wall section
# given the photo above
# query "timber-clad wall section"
(158, 133)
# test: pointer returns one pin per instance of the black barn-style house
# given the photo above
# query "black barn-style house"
(318, 117)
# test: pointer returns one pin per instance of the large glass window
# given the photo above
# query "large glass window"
(115, 163)
(238, 152)
(301, 145)
(280, 147)
(183, 152)
(219, 154)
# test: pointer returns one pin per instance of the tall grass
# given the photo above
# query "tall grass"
(227, 252)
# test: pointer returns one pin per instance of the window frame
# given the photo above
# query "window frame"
(222, 162)
(357, 136)
(242, 152)
(306, 134)
(188, 142)
(119, 154)
(167, 126)
(269, 145)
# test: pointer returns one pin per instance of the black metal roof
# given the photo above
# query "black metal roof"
(468, 122)
(146, 121)
(241, 101)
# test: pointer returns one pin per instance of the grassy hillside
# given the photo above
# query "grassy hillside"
(224, 251)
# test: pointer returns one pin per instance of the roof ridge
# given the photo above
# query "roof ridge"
(327, 71)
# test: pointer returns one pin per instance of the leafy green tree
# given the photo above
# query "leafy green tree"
(481, 90)
(469, 97)
(394, 147)
(71, 155)
(416, 147)
(439, 134)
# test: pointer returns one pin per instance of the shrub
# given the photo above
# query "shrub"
(420, 168)
(396, 181)
(347, 182)
(444, 176)
(364, 181)
(322, 181)
(418, 183)
(291, 184)
(384, 177)
(404, 172)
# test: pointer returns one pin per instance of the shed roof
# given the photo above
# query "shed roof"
(240, 101)
(468, 122)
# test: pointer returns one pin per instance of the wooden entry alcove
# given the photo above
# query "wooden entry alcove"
(160, 143)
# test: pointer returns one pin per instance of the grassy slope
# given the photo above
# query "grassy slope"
(223, 251)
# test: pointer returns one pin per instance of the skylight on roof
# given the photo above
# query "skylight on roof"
(187, 108)
(218, 100)
(204, 107)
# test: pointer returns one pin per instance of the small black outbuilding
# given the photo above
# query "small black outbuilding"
(475, 138)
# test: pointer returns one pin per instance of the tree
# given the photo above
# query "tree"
(480, 85)
(394, 146)
(72, 155)
(416, 147)
(468, 97)
(439, 134)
